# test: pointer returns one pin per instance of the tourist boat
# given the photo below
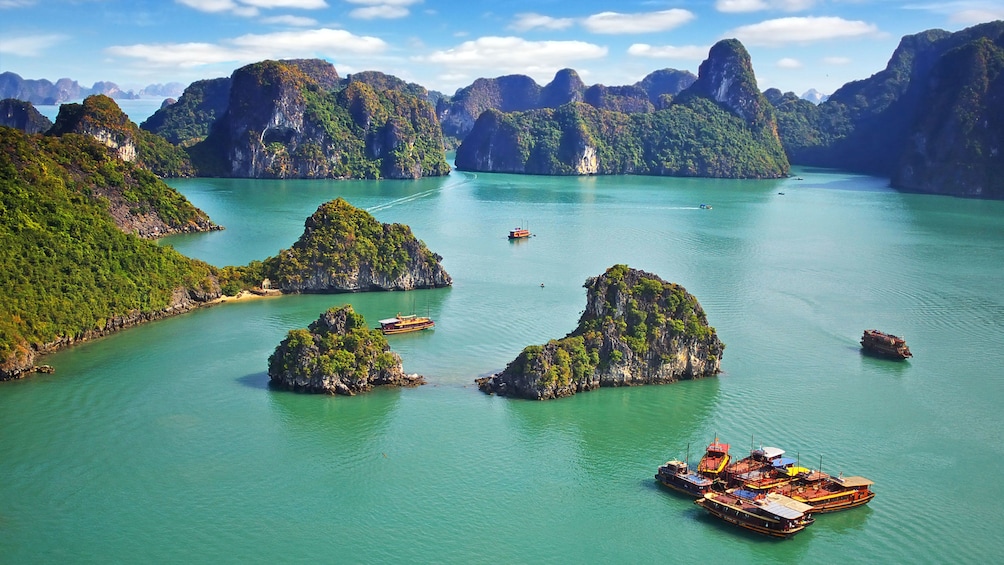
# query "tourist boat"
(405, 323)
(885, 345)
(781, 471)
(677, 476)
(771, 514)
(829, 494)
(760, 459)
(716, 457)
(705, 206)
(519, 233)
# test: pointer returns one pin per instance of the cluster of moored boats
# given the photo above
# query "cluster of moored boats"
(765, 492)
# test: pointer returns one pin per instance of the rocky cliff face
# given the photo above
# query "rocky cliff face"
(636, 329)
(22, 115)
(344, 249)
(337, 354)
(282, 123)
(189, 120)
(665, 82)
(727, 77)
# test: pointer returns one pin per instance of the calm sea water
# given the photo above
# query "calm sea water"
(163, 443)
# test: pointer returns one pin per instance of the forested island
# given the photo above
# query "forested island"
(636, 329)
(337, 354)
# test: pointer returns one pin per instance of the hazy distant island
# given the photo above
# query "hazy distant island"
(636, 329)
(337, 354)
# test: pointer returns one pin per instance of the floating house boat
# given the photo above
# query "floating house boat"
(760, 459)
(405, 323)
(770, 514)
(677, 476)
(715, 459)
(829, 494)
(885, 345)
(519, 233)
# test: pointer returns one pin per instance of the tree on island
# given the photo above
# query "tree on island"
(337, 354)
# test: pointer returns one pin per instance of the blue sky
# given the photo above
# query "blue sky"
(795, 45)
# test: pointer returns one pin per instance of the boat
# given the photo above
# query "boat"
(716, 457)
(705, 206)
(519, 233)
(830, 494)
(760, 459)
(405, 323)
(885, 345)
(771, 514)
(781, 471)
(678, 476)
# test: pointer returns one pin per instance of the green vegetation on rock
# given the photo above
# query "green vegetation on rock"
(68, 270)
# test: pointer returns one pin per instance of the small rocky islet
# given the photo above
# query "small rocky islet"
(636, 329)
(337, 354)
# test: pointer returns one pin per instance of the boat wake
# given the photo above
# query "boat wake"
(468, 177)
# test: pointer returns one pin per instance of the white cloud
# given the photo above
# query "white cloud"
(381, 9)
(492, 56)
(801, 30)
(789, 63)
(29, 45)
(16, 3)
(251, 48)
(641, 22)
(295, 21)
(300, 4)
(740, 6)
(385, 11)
(528, 21)
(689, 52)
(250, 8)
(220, 6)
(837, 60)
(976, 15)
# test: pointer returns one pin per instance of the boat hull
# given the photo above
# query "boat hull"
(682, 485)
(408, 329)
(835, 504)
(751, 523)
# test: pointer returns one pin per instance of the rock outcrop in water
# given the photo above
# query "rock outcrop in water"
(345, 249)
(337, 354)
(636, 329)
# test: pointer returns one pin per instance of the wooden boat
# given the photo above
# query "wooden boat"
(781, 471)
(770, 514)
(716, 457)
(405, 323)
(885, 345)
(758, 460)
(829, 494)
(677, 476)
(519, 233)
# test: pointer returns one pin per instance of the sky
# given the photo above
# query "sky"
(794, 45)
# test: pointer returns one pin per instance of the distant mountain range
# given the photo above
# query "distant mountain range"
(44, 92)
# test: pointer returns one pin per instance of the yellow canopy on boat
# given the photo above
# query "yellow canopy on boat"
(792, 471)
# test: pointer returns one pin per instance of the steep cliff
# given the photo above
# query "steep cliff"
(101, 118)
(281, 123)
(665, 82)
(189, 120)
(345, 249)
(721, 126)
(337, 354)
(929, 120)
(22, 115)
(636, 329)
(511, 93)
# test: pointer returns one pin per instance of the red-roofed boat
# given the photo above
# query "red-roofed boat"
(829, 494)
(716, 457)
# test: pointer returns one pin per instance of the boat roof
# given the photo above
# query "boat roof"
(718, 447)
(771, 452)
(792, 471)
(747, 494)
(390, 320)
(784, 462)
(785, 507)
(854, 481)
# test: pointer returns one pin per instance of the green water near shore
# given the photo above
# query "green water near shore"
(163, 443)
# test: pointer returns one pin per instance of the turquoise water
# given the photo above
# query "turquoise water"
(162, 443)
